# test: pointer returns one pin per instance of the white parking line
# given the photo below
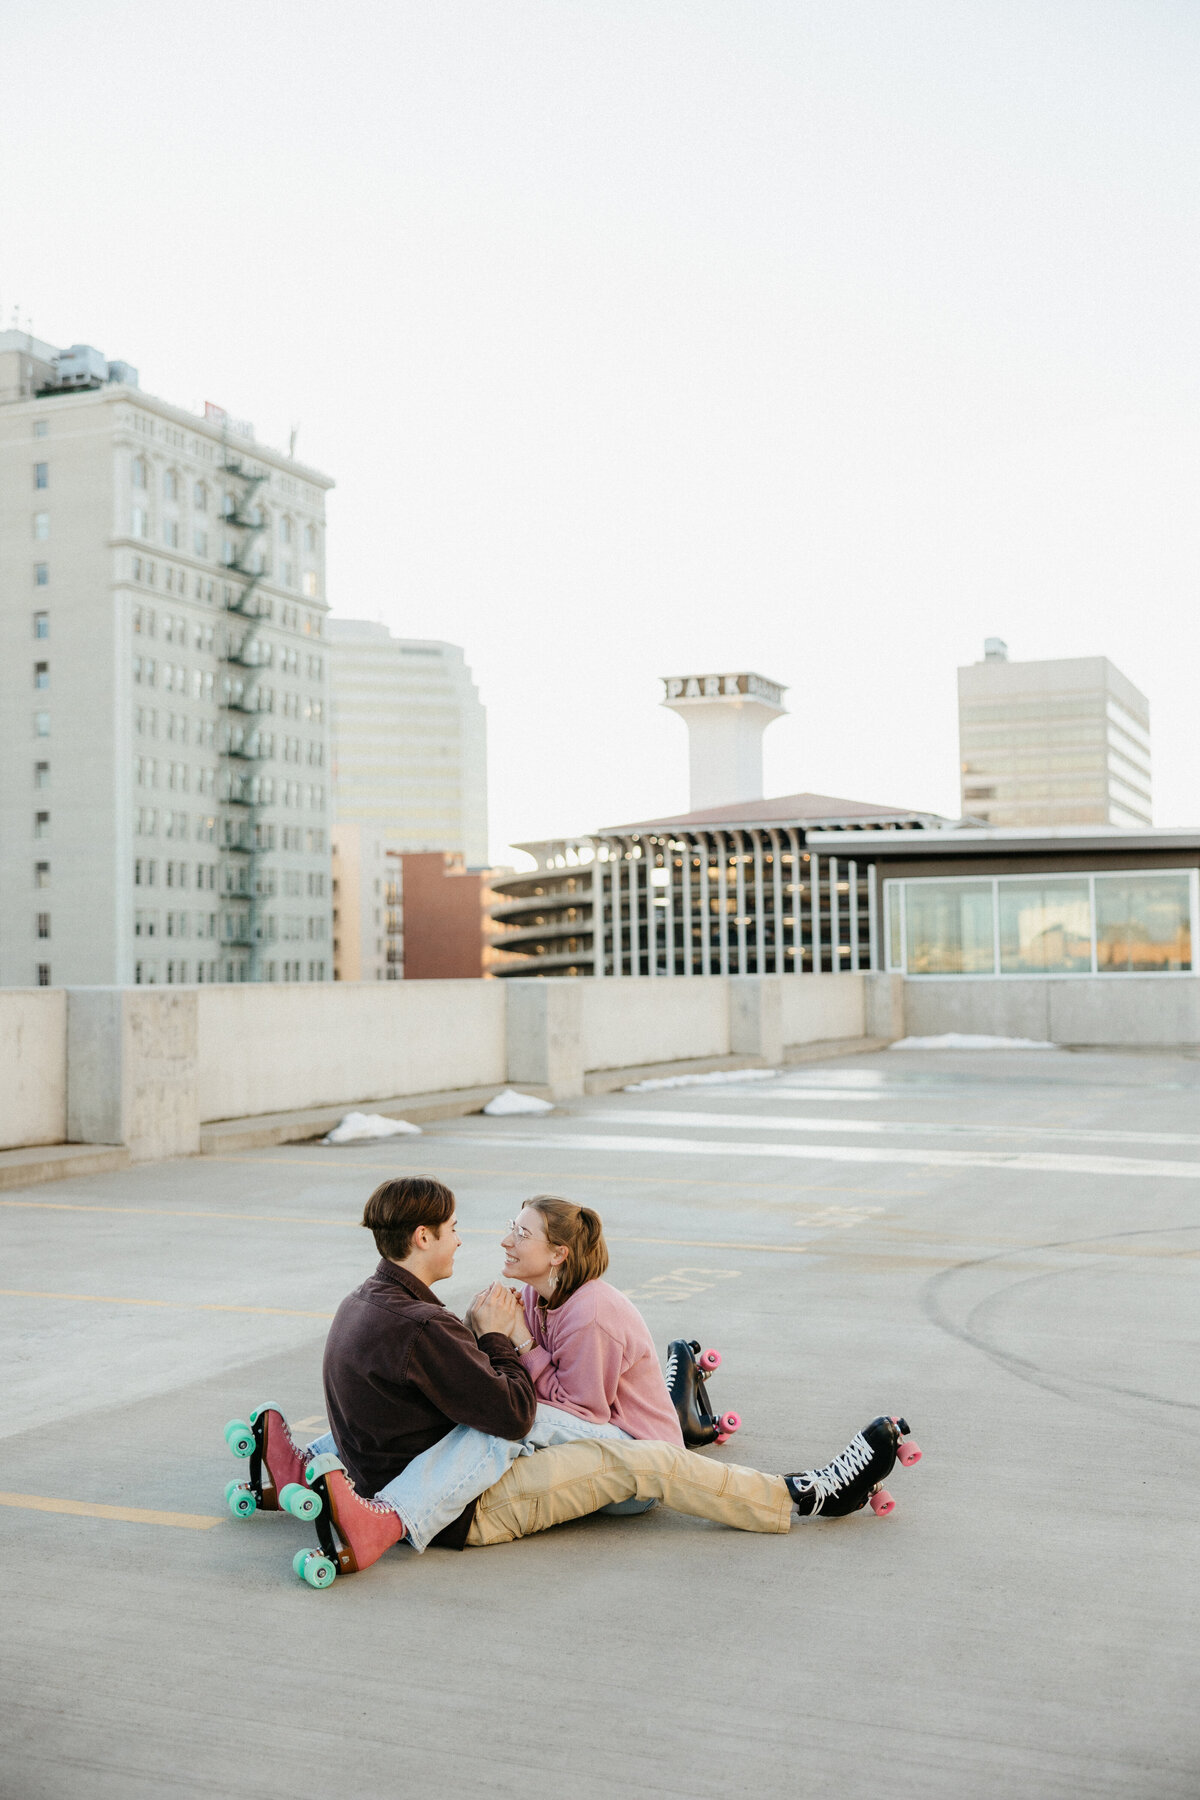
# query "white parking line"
(1017, 1162)
(904, 1127)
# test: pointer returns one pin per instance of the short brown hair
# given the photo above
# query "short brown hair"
(579, 1228)
(397, 1207)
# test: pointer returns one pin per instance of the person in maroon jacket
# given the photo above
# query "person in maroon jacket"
(401, 1372)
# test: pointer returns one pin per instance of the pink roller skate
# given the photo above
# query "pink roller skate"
(277, 1463)
(353, 1533)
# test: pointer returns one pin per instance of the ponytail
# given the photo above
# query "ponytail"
(580, 1230)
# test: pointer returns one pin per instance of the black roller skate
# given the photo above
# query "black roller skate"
(856, 1477)
(688, 1369)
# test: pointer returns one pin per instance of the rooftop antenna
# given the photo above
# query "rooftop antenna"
(295, 433)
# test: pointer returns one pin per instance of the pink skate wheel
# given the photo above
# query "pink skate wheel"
(722, 1437)
(882, 1503)
(709, 1359)
(730, 1422)
(908, 1453)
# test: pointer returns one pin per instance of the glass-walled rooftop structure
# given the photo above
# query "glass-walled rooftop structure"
(1106, 922)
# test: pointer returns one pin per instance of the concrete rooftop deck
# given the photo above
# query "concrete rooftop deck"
(1003, 1246)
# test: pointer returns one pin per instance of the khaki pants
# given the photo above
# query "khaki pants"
(569, 1480)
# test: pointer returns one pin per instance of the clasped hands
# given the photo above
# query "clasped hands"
(498, 1308)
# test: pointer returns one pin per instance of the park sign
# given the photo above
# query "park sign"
(721, 687)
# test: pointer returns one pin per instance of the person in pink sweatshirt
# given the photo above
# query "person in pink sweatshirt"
(589, 1349)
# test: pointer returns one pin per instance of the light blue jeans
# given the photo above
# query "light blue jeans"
(433, 1490)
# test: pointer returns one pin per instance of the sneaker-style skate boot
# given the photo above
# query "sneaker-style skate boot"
(352, 1532)
(688, 1369)
(277, 1463)
(856, 1476)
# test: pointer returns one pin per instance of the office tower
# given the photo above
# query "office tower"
(164, 732)
(409, 741)
(1063, 742)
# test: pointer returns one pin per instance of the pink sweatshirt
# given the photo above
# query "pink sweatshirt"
(593, 1356)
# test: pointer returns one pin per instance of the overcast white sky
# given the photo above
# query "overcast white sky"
(652, 336)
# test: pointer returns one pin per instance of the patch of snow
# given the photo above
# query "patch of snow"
(364, 1128)
(509, 1101)
(717, 1078)
(965, 1040)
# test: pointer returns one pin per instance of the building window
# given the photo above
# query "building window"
(43, 925)
(41, 475)
(310, 584)
(41, 625)
(41, 875)
(139, 472)
(171, 533)
(1062, 925)
(170, 485)
(41, 427)
(139, 522)
(43, 979)
(200, 497)
(200, 541)
(41, 724)
(41, 824)
(41, 525)
(41, 774)
(41, 675)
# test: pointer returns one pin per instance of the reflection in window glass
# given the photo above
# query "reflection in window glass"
(1143, 923)
(1045, 928)
(949, 928)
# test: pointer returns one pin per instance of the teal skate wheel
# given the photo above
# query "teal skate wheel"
(301, 1502)
(318, 1570)
(242, 1503)
(240, 1437)
(298, 1562)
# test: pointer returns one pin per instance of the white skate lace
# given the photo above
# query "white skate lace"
(828, 1482)
(672, 1366)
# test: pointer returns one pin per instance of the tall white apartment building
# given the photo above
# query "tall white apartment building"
(164, 726)
(409, 741)
(1062, 742)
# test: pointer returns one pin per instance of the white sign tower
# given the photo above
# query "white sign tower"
(726, 716)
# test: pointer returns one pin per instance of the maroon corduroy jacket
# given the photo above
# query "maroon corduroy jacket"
(401, 1371)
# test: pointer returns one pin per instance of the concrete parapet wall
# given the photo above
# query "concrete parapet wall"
(146, 1067)
(628, 1020)
(268, 1049)
(1143, 1010)
(822, 1006)
(132, 1070)
(33, 1058)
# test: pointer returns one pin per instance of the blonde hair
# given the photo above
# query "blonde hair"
(577, 1228)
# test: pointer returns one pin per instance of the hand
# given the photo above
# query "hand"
(495, 1310)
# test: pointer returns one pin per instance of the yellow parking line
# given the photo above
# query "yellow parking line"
(283, 1312)
(129, 1515)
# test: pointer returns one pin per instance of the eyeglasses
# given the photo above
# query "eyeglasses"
(519, 1232)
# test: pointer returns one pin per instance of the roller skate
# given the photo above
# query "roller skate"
(856, 1477)
(688, 1369)
(277, 1462)
(352, 1532)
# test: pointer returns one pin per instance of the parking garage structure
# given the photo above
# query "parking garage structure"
(734, 890)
